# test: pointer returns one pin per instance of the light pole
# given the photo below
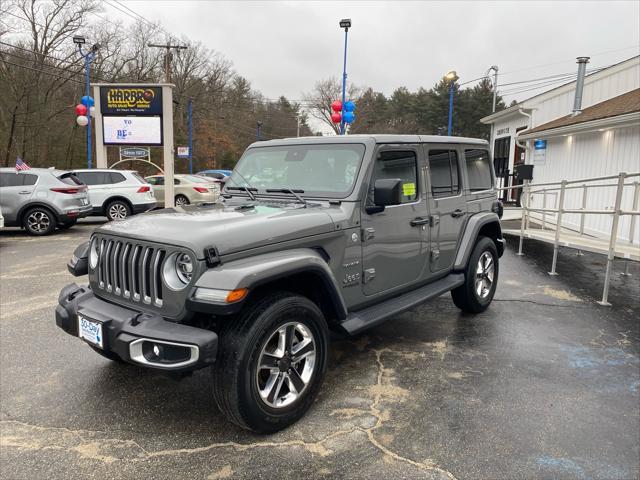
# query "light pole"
(452, 76)
(346, 24)
(258, 126)
(495, 84)
(88, 58)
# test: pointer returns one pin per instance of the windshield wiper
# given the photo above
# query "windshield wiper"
(289, 190)
(249, 191)
(249, 188)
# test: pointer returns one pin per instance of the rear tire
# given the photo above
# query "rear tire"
(271, 362)
(480, 278)
(39, 221)
(117, 210)
(181, 201)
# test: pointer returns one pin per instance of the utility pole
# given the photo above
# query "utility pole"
(168, 57)
(190, 128)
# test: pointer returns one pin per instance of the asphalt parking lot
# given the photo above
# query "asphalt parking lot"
(545, 384)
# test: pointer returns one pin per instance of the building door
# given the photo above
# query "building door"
(518, 159)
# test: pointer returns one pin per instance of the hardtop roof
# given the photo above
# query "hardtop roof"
(371, 138)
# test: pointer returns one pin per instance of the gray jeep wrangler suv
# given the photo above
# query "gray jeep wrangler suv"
(310, 235)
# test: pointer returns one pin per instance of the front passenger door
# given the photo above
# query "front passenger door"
(392, 242)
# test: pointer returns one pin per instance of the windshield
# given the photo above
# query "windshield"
(316, 170)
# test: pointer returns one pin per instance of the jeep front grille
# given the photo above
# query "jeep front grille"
(130, 270)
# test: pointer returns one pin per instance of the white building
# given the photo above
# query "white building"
(604, 139)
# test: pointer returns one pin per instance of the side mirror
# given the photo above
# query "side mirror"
(387, 191)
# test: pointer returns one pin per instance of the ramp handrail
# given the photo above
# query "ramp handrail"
(529, 190)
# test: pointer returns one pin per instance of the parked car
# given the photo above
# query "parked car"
(117, 194)
(218, 176)
(187, 189)
(350, 231)
(40, 199)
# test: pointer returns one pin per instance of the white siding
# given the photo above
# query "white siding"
(598, 87)
(587, 155)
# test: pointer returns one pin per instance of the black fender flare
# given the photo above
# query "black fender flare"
(259, 270)
(472, 230)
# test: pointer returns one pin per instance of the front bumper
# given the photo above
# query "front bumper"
(133, 335)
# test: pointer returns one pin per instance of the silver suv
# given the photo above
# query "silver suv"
(40, 199)
(117, 194)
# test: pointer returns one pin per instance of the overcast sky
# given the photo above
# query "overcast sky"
(283, 48)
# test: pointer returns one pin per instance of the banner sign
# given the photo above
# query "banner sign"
(133, 100)
(539, 152)
(183, 152)
(133, 152)
(132, 130)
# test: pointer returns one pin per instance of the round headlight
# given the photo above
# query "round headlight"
(177, 270)
(184, 267)
(93, 254)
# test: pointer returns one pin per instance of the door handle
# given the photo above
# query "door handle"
(457, 213)
(420, 221)
(24, 192)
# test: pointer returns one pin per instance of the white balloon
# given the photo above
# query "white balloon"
(82, 120)
(92, 111)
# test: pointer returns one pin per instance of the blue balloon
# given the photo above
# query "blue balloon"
(349, 106)
(349, 117)
(87, 101)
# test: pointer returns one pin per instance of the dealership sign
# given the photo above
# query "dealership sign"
(131, 115)
(134, 152)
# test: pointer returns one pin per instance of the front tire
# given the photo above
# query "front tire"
(39, 221)
(480, 278)
(271, 362)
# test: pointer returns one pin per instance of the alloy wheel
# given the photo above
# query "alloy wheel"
(485, 271)
(286, 364)
(38, 221)
(117, 211)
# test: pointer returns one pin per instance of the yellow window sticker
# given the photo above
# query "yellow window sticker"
(408, 189)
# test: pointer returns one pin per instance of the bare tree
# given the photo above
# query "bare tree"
(323, 95)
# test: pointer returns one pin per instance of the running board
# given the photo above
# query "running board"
(368, 317)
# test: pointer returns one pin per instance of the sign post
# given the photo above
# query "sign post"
(139, 115)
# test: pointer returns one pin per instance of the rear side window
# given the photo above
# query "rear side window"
(116, 177)
(95, 178)
(478, 170)
(402, 164)
(69, 179)
(445, 175)
(11, 179)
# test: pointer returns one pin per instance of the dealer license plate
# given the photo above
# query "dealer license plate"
(90, 331)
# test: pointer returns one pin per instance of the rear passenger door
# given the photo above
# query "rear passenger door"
(447, 204)
(15, 191)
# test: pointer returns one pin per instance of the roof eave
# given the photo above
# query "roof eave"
(618, 121)
(489, 119)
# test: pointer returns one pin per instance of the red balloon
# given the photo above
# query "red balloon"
(81, 109)
(336, 117)
(336, 106)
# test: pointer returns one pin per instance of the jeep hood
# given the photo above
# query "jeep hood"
(228, 228)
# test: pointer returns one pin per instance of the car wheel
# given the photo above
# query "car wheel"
(181, 201)
(480, 278)
(66, 225)
(111, 356)
(118, 210)
(39, 221)
(271, 362)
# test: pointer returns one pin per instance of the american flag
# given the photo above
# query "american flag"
(20, 165)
